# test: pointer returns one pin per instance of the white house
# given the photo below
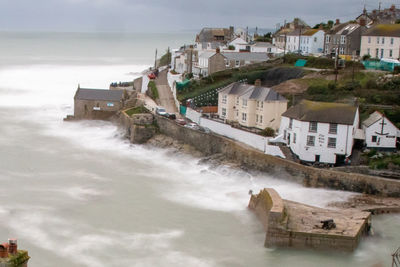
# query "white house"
(381, 41)
(239, 44)
(312, 41)
(319, 131)
(380, 133)
(264, 47)
(292, 41)
(201, 67)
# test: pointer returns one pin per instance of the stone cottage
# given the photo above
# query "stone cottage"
(97, 104)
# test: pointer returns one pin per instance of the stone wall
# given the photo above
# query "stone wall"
(139, 128)
(210, 144)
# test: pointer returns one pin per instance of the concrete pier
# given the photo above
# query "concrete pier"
(292, 224)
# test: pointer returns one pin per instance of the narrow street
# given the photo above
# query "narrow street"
(165, 93)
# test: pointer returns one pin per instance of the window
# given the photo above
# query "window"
(290, 123)
(237, 100)
(237, 113)
(391, 41)
(256, 118)
(224, 97)
(377, 53)
(374, 138)
(227, 63)
(310, 140)
(342, 39)
(244, 116)
(237, 63)
(382, 52)
(284, 134)
(333, 128)
(261, 105)
(341, 51)
(313, 127)
(294, 138)
(223, 113)
(260, 118)
(328, 39)
(383, 40)
(369, 40)
(390, 53)
(244, 102)
(377, 40)
(331, 142)
(315, 39)
(369, 51)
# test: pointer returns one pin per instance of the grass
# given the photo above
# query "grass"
(136, 110)
(153, 90)
(383, 162)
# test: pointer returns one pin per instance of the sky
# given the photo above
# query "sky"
(171, 15)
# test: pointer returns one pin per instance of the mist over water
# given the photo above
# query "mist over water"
(79, 194)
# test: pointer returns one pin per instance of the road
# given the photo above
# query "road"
(165, 94)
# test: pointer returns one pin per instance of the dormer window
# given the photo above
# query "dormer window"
(313, 127)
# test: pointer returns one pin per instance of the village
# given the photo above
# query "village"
(321, 101)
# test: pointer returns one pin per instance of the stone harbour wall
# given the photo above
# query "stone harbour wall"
(247, 157)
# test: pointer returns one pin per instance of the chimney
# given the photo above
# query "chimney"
(321, 26)
(337, 22)
(257, 83)
(4, 250)
(231, 32)
(217, 50)
(363, 22)
(392, 8)
(12, 243)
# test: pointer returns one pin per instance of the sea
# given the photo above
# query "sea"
(79, 194)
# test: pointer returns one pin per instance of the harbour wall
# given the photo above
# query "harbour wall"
(253, 159)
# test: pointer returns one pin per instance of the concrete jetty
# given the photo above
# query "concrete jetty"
(292, 224)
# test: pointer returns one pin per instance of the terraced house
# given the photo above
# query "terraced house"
(252, 106)
(382, 41)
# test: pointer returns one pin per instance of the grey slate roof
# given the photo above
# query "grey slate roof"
(99, 94)
(252, 92)
(246, 56)
(391, 30)
(374, 117)
(322, 112)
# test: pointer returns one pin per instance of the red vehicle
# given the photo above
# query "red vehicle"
(180, 121)
(151, 76)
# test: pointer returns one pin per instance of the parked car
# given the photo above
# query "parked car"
(204, 129)
(171, 116)
(152, 76)
(180, 121)
(161, 111)
(193, 126)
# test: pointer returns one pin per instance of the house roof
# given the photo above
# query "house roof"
(374, 117)
(251, 92)
(207, 34)
(392, 30)
(247, 56)
(322, 112)
(263, 44)
(99, 94)
(206, 54)
(310, 32)
(344, 28)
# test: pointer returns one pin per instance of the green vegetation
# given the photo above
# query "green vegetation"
(136, 110)
(379, 161)
(325, 26)
(165, 59)
(20, 258)
(268, 132)
(231, 47)
(264, 38)
(319, 62)
(153, 92)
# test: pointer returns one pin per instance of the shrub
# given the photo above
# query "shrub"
(396, 70)
(366, 57)
(268, 132)
(317, 89)
(231, 47)
(351, 86)
(371, 84)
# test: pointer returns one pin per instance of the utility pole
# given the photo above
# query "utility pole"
(284, 48)
(155, 60)
(380, 4)
(336, 64)
(298, 48)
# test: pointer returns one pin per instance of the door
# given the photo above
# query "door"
(317, 158)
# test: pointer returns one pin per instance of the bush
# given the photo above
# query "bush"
(268, 132)
(366, 57)
(231, 47)
(351, 86)
(317, 90)
(371, 84)
(153, 92)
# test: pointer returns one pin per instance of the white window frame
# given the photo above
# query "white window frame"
(244, 116)
(313, 127)
(310, 140)
(223, 112)
(224, 99)
(331, 142)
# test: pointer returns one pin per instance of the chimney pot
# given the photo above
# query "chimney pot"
(392, 8)
(337, 22)
(217, 50)
(257, 82)
(363, 22)
(13, 248)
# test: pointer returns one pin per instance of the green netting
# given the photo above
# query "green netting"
(182, 85)
(379, 65)
(182, 110)
(300, 63)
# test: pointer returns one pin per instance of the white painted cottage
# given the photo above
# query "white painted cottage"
(239, 44)
(380, 133)
(319, 131)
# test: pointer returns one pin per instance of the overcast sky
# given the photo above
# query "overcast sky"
(170, 15)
